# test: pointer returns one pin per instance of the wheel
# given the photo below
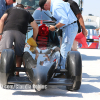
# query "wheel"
(76, 84)
(74, 67)
(7, 65)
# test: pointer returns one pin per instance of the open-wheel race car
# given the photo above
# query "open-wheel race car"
(41, 65)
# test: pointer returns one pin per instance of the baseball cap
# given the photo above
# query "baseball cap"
(41, 3)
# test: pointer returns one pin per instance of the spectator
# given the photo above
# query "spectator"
(75, 8)
(15, 29)
(4, 5)
(66, 20)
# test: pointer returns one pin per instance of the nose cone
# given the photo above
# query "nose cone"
(40, 75)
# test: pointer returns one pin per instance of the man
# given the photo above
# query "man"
(4, 5)
(66, 20)
(16, 21)
(80, 21)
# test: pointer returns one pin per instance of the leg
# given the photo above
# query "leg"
(65, 48)
(6, 41)
(19, 47)
(60, 41)
(18, 63)
(69, 34)
(74, 46)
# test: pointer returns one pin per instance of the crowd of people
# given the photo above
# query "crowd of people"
(14, 22)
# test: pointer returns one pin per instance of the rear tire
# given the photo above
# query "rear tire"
(74, 67)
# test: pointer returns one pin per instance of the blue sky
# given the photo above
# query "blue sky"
(91, 7)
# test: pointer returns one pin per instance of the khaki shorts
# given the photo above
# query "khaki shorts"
(11, 36)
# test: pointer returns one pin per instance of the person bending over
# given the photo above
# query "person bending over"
(16, 20)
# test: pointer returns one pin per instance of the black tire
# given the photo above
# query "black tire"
(74, 67)
(7, 65)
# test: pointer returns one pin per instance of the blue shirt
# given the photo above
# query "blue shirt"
(62, 12)
(3, 7)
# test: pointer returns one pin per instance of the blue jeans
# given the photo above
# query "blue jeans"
(69, 33)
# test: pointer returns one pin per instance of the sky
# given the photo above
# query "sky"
(90, 7)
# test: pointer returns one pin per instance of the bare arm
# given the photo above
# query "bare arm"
(35, 29)
(2, 20)
(52, 28)
(81, 21)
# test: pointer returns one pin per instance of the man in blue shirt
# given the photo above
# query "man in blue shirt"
(66, 20)
(4, 5)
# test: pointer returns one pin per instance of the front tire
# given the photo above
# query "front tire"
(74, 67)
(7, 65)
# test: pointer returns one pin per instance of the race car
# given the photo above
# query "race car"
(41, 60)
(39, 73)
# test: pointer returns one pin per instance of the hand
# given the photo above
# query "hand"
(52, 28)
(85, 32)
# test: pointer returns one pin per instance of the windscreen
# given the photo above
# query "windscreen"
(30, 5)
(40, 15)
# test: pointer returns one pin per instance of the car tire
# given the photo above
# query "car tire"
(74, 67)
(7, 65)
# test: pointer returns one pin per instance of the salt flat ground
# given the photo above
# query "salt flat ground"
(90, 87)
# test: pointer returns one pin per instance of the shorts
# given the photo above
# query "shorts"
(11, 36)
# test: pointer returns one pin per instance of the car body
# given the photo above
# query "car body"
(42, 64)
